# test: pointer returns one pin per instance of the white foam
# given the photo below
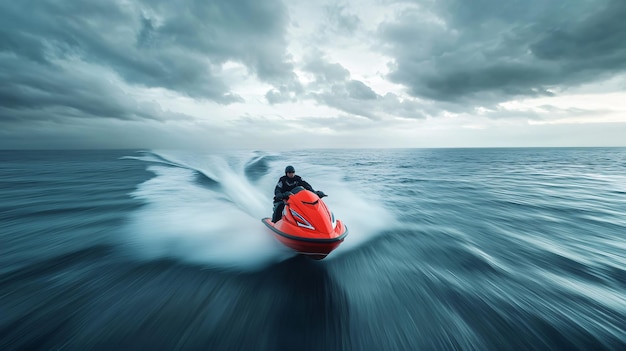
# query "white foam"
(221, 225)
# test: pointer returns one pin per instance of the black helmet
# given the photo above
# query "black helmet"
(289, 169)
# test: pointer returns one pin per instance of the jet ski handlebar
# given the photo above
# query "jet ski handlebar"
(285, 196)
(297, 189)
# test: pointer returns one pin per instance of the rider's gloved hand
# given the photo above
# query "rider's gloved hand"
(286, 194)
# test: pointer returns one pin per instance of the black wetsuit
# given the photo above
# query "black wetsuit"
(285, 185)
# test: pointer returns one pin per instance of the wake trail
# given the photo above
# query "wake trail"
(206, 208)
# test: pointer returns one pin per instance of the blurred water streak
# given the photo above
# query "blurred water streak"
(474, 249)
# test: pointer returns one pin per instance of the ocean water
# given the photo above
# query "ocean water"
(449, 249)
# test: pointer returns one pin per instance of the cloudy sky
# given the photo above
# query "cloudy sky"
(277, 74)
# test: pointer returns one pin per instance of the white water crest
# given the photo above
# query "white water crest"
(207, 208)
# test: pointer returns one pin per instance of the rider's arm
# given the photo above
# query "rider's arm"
(306, 185)
(278, 190)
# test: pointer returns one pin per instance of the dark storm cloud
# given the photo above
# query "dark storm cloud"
(285, 93)
(179, 46)
(457, 50)
(336, 21)
(52, 92)
(194, 33)
(333, 86)
(325, 71)
(359, 91)
(354, 97)
(340, 97)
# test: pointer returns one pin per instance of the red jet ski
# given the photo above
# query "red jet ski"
(307, 226)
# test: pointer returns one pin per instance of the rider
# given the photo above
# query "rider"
(283, 189)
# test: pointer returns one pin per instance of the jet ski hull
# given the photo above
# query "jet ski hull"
(310, 243)
(307, 226)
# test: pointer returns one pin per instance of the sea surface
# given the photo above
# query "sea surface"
(448, 249)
